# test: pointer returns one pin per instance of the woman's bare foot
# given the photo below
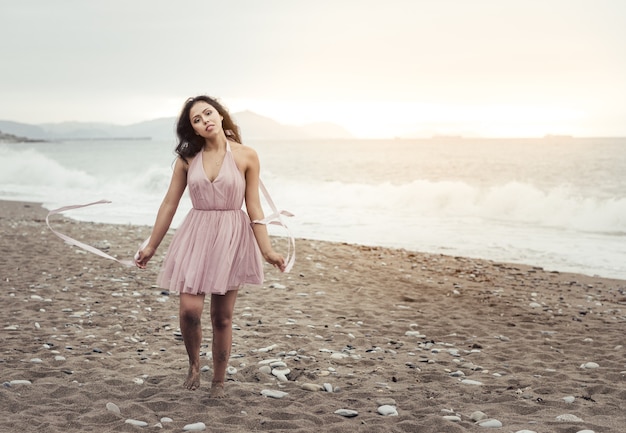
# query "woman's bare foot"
(217, 390)
(193, 379)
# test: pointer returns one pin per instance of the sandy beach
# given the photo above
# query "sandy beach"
(444, 344)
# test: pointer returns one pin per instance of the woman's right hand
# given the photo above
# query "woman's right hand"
(143, 256)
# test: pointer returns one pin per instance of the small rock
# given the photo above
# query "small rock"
(585, 431)
(273, 393)
(491, 423)
(471, 382)
(453, 418)
(136, 422)
(197, 426)
(569, 399)
(525, 431)
(328, 387)
(568, 417)
(387, 410)
(348, 413)
(312, 387)
(589, 365)
(478, 416)
(112, 407)
(20, 382)
(166, 419)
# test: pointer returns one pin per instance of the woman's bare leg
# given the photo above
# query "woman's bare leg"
(222, 307)
(190, 313)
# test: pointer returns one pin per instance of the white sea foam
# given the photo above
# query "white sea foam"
(539, 220)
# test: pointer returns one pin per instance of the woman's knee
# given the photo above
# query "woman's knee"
(191, 316)
(221, 321)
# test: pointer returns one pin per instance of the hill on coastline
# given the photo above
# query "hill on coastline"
(253, 126)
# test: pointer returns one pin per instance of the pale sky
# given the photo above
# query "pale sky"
(378, 68)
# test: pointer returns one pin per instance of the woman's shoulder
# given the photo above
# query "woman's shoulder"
(243, 150)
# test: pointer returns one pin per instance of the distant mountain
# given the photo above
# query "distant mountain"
(253, 126)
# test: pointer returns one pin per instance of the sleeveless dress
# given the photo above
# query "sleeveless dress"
(214, 250)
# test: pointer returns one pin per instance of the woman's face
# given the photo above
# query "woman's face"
(205, 119)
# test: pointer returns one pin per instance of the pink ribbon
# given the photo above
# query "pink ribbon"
(82, 245)
(274, 218)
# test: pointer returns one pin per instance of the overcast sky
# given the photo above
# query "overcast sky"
(379, 68)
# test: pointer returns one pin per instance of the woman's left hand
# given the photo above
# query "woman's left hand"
(276, 260)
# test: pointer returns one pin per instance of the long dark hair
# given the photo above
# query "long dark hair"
(189, 144)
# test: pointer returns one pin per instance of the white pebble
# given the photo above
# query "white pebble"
(569, 399)
(471, 382)
(568, 417)
(312, 387)
(492, 423)
(387, 410)
(231, 370)
(453, 418)
(348, 413)
(415, 334)
(265, 369)
(585, 431)
(197, 426)
(36, 360)
(166, 419)
(590, 365)
(20, 382)
(136, 422)
(59, 358)
(328, 387)
(138, 381)
(478, 416)
(112, 407)
(268, 348)
(525, 431)
(273, 393)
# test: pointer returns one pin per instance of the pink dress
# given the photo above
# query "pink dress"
(214, 250)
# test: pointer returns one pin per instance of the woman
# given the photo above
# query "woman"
(216, 249)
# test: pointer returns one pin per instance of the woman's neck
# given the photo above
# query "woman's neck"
(216, 143)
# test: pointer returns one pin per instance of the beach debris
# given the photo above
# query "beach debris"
(348, 413)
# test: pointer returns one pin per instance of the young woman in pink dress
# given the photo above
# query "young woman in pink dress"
(216, 249)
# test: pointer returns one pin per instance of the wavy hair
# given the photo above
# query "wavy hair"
(189, 144)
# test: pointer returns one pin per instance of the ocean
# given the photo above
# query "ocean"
(558, 202)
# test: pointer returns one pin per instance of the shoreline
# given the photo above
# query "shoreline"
(382, 326)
